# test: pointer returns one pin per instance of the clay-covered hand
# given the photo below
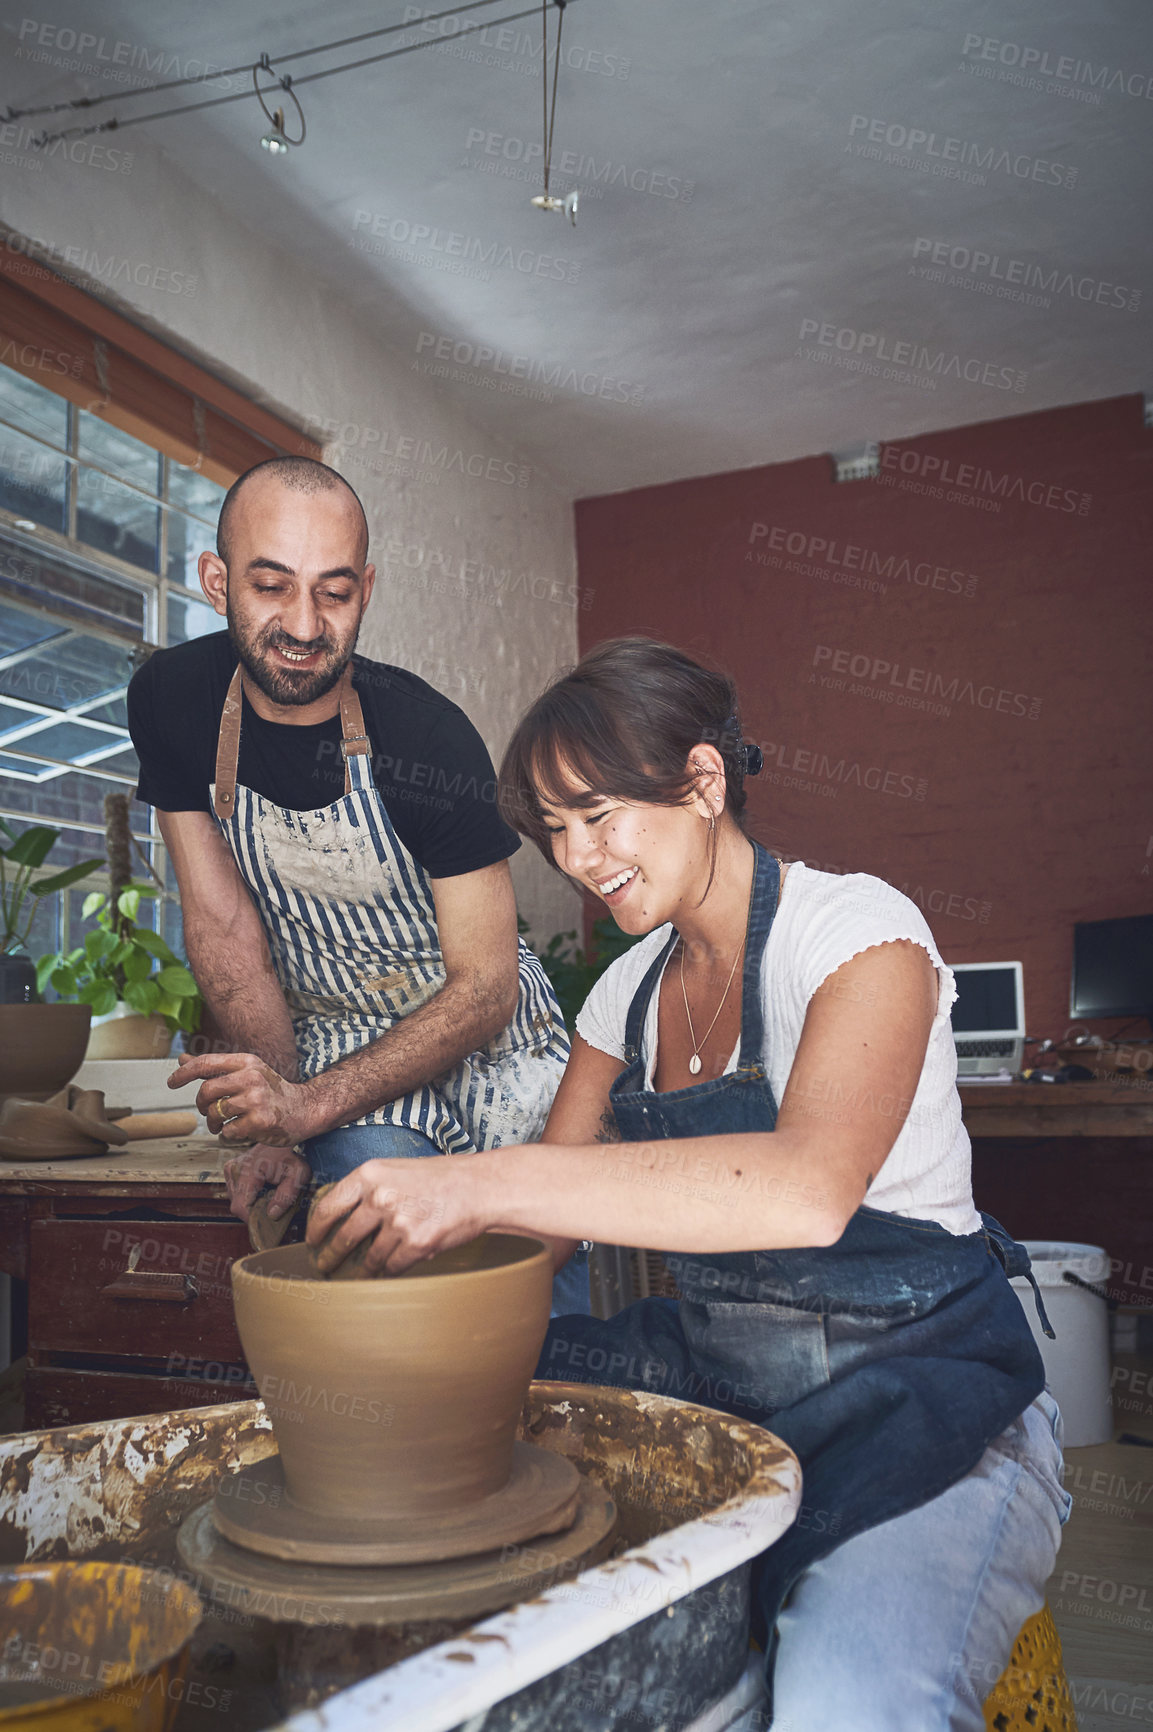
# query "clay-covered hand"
(409, 1208)
(246, 1176)
(245, 1101)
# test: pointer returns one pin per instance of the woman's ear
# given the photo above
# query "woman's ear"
(705, 768)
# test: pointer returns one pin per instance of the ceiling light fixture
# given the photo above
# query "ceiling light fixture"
(546, 200)
(276, 141)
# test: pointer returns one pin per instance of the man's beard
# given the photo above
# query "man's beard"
(287, 686)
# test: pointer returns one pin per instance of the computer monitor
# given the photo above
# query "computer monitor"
(989, 1017)
(1112, 968)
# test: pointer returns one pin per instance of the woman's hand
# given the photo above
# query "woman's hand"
(409, 1208)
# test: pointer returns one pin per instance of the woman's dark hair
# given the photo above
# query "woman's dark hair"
(623, 721)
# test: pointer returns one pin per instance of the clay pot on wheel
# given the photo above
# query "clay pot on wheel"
(394, 1402)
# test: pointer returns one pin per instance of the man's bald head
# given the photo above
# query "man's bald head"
(298, 475)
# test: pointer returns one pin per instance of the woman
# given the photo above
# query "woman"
(774, 1068)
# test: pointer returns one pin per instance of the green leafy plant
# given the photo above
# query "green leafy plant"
(120, 961)
(20, 892)
(573, 969)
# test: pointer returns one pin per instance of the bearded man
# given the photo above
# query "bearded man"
(343, 870)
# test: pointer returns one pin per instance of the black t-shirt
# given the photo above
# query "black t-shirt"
(429, 764)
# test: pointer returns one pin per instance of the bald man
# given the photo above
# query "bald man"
(343, 870)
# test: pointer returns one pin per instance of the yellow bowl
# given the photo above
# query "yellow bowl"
(92, 1647)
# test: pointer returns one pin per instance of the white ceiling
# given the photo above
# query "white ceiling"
(706, 310)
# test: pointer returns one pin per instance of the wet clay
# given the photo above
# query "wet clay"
(394, 1402)
(73, 1122)
(305, 1593)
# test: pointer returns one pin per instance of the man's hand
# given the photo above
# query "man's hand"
(246, 1176)
(245, 1100)
(410, 1208)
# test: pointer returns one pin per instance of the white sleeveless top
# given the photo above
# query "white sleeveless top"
(824, 920)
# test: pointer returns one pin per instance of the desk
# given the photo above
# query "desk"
(109, 1341)
(1070, 1161)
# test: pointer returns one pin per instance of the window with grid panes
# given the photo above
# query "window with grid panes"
(99, 538)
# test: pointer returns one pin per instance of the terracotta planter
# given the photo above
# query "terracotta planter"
(41, 1047)
(124, 1034)
(395, 1401)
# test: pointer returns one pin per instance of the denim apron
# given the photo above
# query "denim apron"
(351, 925)
(887, 1362)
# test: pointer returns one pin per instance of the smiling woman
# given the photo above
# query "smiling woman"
(794, 1141)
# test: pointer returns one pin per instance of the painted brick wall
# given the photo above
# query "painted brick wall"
(948, 669)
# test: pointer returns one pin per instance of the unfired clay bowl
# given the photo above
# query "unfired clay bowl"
(399, 1396)
(41, 1047)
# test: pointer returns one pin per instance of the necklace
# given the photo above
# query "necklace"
(695, 1061)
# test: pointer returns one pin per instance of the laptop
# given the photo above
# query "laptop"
(989, 1018)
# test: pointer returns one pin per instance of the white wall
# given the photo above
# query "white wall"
(474, 548)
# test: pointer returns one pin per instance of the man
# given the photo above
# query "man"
(343, 872)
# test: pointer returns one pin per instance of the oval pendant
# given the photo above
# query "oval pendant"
(694, 1066)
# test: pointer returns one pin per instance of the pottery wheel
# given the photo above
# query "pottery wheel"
(327, 1594)
(254, 1510)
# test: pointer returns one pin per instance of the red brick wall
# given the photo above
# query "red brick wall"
(1002, 574)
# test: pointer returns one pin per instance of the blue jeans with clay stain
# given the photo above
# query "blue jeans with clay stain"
(337, 1153)
(907, 1627)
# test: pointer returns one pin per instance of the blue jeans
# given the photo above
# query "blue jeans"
(337, 1153)
(907, 1627)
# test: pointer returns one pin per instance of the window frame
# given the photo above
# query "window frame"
(131, 380)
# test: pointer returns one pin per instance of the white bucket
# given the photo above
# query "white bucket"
(1077, 1365)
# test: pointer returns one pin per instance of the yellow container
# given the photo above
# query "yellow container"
(92, 1647)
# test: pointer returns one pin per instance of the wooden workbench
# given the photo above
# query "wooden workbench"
(1084, 1109)
(1070, 1161)
(127, 1257)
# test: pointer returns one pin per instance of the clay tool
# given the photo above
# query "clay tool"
(265, 1233)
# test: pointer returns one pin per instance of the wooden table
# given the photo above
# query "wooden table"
(127, 1258)
(1070, 1161)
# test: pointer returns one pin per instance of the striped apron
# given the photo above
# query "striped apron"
(351, 926)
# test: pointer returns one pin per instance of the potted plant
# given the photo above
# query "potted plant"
(139, 991)
(20, 896)
(41, 1045)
